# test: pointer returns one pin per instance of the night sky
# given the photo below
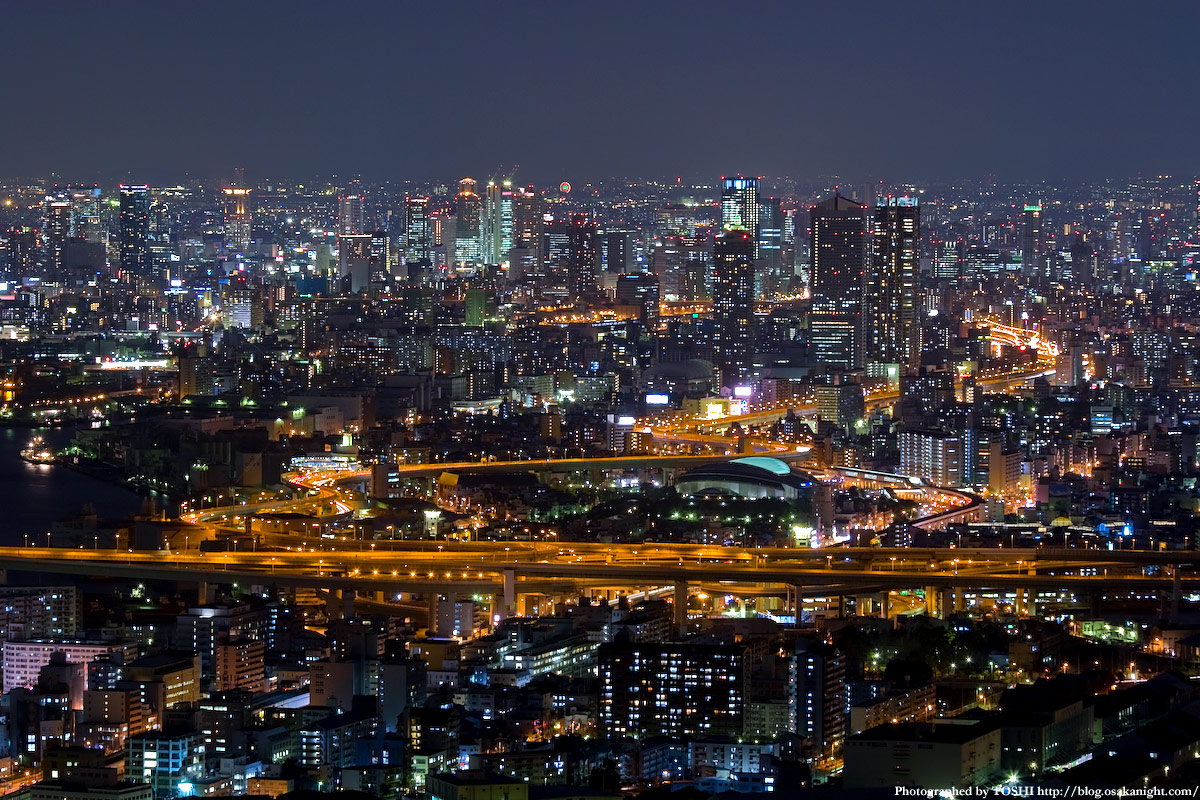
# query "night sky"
(584, 90)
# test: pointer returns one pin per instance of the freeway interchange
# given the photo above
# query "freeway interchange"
(506, 570)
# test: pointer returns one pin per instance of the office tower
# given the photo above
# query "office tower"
(418, 234)
(468, 219)
(733, 301)
(769, 276)
(350, 215)
(22, 252)
(948, 259)
(615, 251)
(1196, 216)
(355, 265)
(159, 239)
(529, 217)
(640, 289)
(676, 690)
(889, 313)
(59, 228)
(1031, 239)
(739, 206)
(237, 218)
(840, 252)
(133, 231)
(380, 261)
(498, 221)
(580, 256)
(88, 222)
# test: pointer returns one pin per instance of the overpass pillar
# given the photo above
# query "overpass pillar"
(1173, 607)
(205, 592)
(934, 603)
(348, 596)
(510, 592)
(435, 607)
(680, 603)
(333, 603)
(795, 606)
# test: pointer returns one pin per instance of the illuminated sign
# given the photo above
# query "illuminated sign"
(742, 391)
(656, 400)
(625, 420)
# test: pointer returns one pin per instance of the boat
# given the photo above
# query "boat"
(38, 452)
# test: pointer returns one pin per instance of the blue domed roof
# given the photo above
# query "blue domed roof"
(772, 465)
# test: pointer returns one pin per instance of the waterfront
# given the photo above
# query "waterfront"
(37, 495)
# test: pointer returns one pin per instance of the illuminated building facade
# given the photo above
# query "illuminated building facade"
(733, 300)
(134, 231)
(840, 252)
(889, 313)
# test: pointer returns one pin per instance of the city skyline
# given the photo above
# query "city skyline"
(573, 92)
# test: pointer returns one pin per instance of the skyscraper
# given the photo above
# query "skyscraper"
(468, 214)
(528, 215)
(581, 256)
(418, 234)
(769, 277)
(350, 215)
(59, 227)
(133, 231)
(889, 293)
(498, 221)
(733, 301)
(237, 217)
(1031, 239)
(840, 253)
(739, 205)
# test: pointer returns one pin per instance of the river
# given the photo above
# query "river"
(34, 496)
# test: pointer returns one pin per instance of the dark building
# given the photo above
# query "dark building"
(733, 301)
(134, 231)
(640, 289)
(581, 256)
(1031, 239)
(841, 252)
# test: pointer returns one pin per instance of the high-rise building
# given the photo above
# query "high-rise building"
(237, 217)
(675, 690)
(889, 292)
(60, 224)
(769, 276)
(468, 217)
(350, 215)
(640, 289)
(418, 233)
(133, 231)
(498, 221)
(739, 205)
(733, 300)
(580, 256)
(1031, 239)
(22, 250)
(819, 678)
(840, 253)
(529, 217)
